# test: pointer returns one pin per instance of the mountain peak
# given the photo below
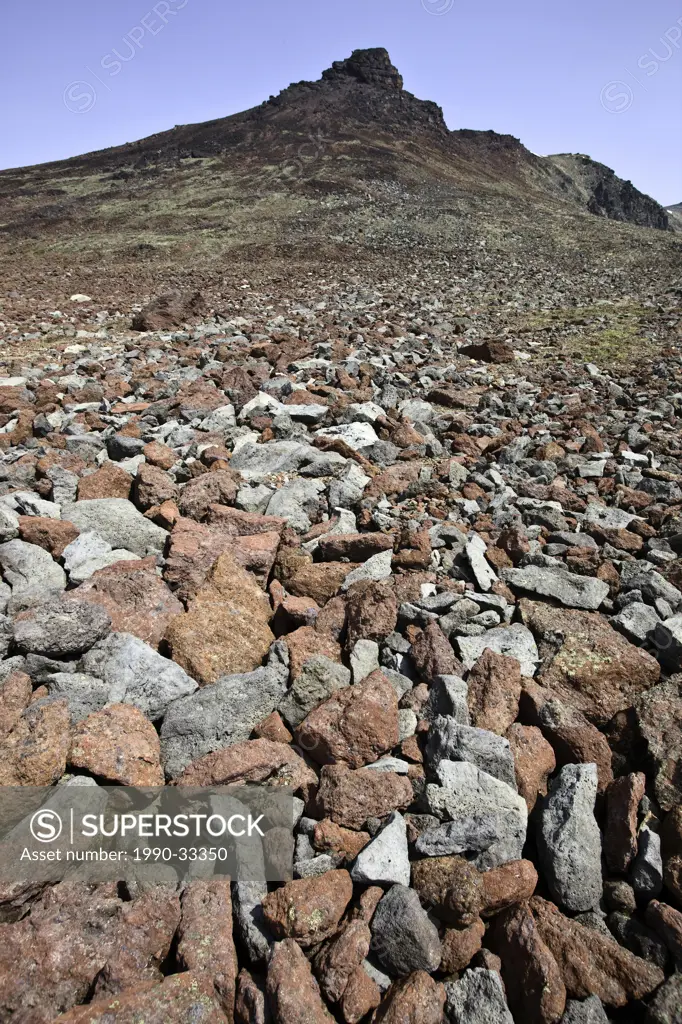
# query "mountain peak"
(372, 67)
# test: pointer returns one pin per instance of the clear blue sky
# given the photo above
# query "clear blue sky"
(589, 76)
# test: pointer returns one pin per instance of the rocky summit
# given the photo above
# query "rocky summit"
(355, 467)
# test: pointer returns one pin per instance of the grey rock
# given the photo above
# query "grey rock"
(668, 641)
(407, 723)
(477, 998)
(465, 835)
(390, 764)
(6, 635)
(254, 498)
(348, 488)
(355, 435)
(121, 447)
(28, 503)
(404, 938)
(312, 867)
(64, 485)
(589, 1011)
(9, 525)
(84, 694)
(88, 553)
(483, 572)
(608, 517)
(31, 571)
(568, 588)
(516, 641)
(5, 596)
(364, 659)
(119, 523)
(450, 741)
(636, 620)
(385, 860)
(569, 840)
(60, 628)
(465, 792)
(297, 501)
(256, 462)
(646, 873)
(219, 420)
(383, 981)
(378, 567)
(137, 674)
(247, 900)
(448, 695)
(638, 938)
(640, 575)
(222, 714)
(666, 1006)
(317, 680)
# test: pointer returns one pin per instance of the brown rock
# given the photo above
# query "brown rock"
(354, 726)
(371, 613)
(52, 534)
(273, 728)
(394, 481)
(340, 957)
(494, 689)
(252, 761)
(331, 620)
(658, 714)
(368, 903)
(623, 797)
(308, 909)
(533, 982)
(205, 943)
(305, 643)
(110, 481)
(152, 486)
(349, 798)
(192, 551)
(416, 999)
(293, 612)
(595, 669)
(667, 923)
(534, 761)
(357, 547)
(160, 455)
(514, 542)
(219, 488)
(511, 883)
(15, 695)
(292, 992)
(172, 309)
(452, 886)
(671, 849)
(361, 995)
(460, 945)
(489, 352)
(137, 600)
(329, 837)
(120, 745)
(34, 752)
(250, 1002)
(320, 581)
(574, 739)
(179, 999)
(142, 941)
(256, 553)
(225, 630)
(433, 655)
(592, 963)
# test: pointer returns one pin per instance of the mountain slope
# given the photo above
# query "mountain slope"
(348, 174)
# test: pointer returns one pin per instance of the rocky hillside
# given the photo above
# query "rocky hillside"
(607, 195)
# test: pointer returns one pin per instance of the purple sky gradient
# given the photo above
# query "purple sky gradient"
(539, 69)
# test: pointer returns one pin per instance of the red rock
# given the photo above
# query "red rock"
(15, 695)
(252, 761)
(250, 1002)
(460, 945)
(592, 963)
(371, 613)
(120, 745)
(144, 933)
(489, 352)
(219, 488)
(595, 670)
(433, 655)
(504, 886)
(329, 837)
(225, 630)
(172, 309)
(193, 549)
(160, 455)
(179, 999)
(52, 534)
(238, 523)
(532, 979)
(110, 481)
(137, 600)
(349, 798)
(320, 581)
(273, 728)
(331, 620)
(152, 486)
(308, 909)
(34, 752)
(623, 797)
(395, 481)
(416, 999)
(671, 849)
(494, 685)
(339, 957)
(361, 995)
(534, 761)
(306, 643)
(292, 992)
(354, 726)
(293, 612)
(451, 886)
(205, 943)
(357, 547)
